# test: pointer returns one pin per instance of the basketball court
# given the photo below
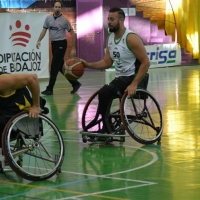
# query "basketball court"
(129, 170)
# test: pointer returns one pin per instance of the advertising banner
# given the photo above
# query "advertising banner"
(18, 36)
(162, 55)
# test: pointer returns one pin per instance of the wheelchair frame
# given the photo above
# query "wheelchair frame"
(32, 148)
(139, 117)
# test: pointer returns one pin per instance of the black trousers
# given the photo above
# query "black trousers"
(114, 89)
(58, 52)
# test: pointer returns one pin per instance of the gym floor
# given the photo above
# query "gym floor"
(129, 170)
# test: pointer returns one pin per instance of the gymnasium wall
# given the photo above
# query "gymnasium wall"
(155, 11)
(69, 11)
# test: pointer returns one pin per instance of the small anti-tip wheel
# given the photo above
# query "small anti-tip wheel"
(58, 171)
(122, 139)
(108, 140)
(95, 139)
(84, 139)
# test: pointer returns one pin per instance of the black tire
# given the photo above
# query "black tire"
(91, 121)
(142, 117)
(33, 148)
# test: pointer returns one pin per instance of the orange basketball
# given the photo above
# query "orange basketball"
(73, 69)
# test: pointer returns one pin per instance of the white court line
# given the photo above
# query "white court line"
(106, 191)
(107, 177)
(155, 158)
(145, 183)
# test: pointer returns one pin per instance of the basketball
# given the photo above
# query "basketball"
(73, 69)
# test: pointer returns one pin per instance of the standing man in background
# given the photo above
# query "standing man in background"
(57, 25)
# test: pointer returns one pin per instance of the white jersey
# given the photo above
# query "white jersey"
(124, 59)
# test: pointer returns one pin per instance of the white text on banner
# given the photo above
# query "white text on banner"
(162, 55)
(18, 36)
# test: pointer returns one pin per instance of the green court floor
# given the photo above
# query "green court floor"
(129, 170)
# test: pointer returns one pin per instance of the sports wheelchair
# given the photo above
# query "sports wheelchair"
(32, 148)
(139, 117)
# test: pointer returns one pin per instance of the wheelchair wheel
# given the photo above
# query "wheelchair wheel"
(91, 120)
(33, 148)
(142, 117)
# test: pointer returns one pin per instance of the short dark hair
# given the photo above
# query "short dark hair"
(119, 10)
(57, 1)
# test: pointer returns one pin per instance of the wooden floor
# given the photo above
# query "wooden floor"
(167, 171)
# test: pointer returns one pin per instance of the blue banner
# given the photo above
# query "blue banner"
(16, 3)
